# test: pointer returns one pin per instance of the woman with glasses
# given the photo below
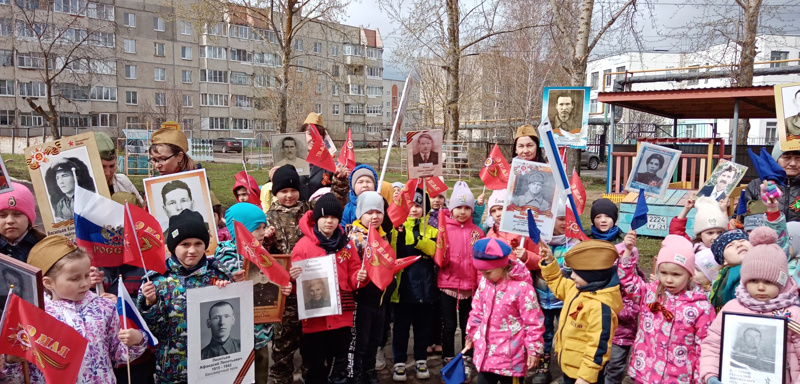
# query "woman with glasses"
(168, 152)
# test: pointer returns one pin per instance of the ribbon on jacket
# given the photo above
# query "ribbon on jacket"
(656, 307)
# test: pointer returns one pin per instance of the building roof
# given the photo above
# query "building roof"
(698, 103)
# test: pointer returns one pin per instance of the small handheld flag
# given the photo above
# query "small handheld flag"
(453, 372)
(496, 170)
(348, 157)
(533, 231)
(251, 249)
(379, 260)
(442, 243)
(129, 316)
(144, 240)
(640, 214)
(319, 154)
(399, 264)
(741, 208)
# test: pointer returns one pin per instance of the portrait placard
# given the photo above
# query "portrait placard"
(219, 327)
(787, 108)
(26, 279)
(568, 111)
(652, 169)
(725, 177)
(752, 349)
(5, 178)
(290, 148)
(318, 287)
(169, 195)
(268, 303)
(424, 153)
(56, 167)
(532, 187)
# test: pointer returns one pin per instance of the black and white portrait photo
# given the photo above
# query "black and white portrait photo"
(749, 352)
(222, 337)
(290, 149)
(61, 179)
(723, 180)
(653, 168)
(568, 111)
(534, 190)
(265, 294)
(316, 293)
(532, 187)
(268, 303)
(318, 287)
(787, 105)
(424, 151)
(753, 349)
(25, 278)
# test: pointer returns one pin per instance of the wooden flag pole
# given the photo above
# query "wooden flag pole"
(136, 238)
(125, 326)
(26, 373)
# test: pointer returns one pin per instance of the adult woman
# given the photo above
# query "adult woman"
(526, 144)
(168, 152)
(318, 177)
(61, 185)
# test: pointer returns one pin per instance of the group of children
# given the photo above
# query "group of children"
(518, 304)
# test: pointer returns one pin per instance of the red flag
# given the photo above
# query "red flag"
(399, 264)
(347, 156)
(442, 244)
(398, 210)
(379, 260)
(578, 192)
(319, 154)
(495, 170)
(435, 185)
(144, 240)
(33, 334)
(251, 249)
(572, 230)
(243, 179)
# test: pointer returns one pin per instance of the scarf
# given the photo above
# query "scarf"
(598, 279)
(607, 236)
(335, 243)
(558, 240)
(724, 286)
(785, 299)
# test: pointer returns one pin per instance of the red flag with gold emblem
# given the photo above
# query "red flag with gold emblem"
(33, 334)
(379, 260)
(399, 264)
(495, 170)
(243, 179)
(319, 154)
(251, 249)
(442, 244)
(398, 209)
(435, 186)
(578, 192)
(144, 240)
(348, 157)
(571, 227)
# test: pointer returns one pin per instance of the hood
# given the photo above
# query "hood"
(693, 295)
(610, 295)
(253, 185)
(352, 195)
(519, 272)
(307, 226)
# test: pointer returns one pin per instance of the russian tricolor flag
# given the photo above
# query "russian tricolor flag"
(99, 227)
(129, 317)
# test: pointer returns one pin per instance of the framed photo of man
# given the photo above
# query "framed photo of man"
(219, 327)
(318, 287)
(290, 148)
(725, 177)
(531, 187)
(568, 111)
(753, 348)
(169, 195)
(424, 153)
(56, 169)
(26, 279)
(268, 303)
(787, 107)
(5, 179)
(652, 169)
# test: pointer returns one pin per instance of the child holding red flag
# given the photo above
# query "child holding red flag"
(17, 214)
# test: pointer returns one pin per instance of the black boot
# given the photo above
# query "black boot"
(371, 377)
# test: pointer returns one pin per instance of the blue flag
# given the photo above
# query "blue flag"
(533, 231)
(741, 208)
(640, 214)
(453, 372)
(766, 167)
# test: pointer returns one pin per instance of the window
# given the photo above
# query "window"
(778, 55)
(607, 77)
(595, 80)
(335, 109)
(102, 39)
(27, 31)
(188, 124)
(374, 53)
(212, 52)
(334, 50)
(620, 73)
(215, 122)
(131, 97)
(267, 59)
(374, 91)
(353, 50)
(242, 124)
(240, 78)
(373, 128)
(30, 60)
(160, 74)
(6, 26)
(101, 93)
(158, 24)
(317, 47)
(186, 76)
(186, 28)
(354, 109)
(161, 99)
(217, 29)
(6, 87)
(73, 7)
(335, 89)
(335, 70)
(593, 106)
(357, 128)
(73, 92)
(7, 117)
(241, 101)
(32, 89)
(103, 67)
(298, 44)
(356, 89)
(213, 100)
(186, 53)
(241, 55)
(695, 70)
(241, 31)
(318, 66)
(188, 101)
(374, 110)
(771, 134)
(318, 108)
(104, 119)
(158, 49)
(101, 11)
(300, 65)
(73, 120)
(319, 90)
(130, 72)
(213, 76)
(129, 46)
(30, 120)
(129, 19)
(265, 81)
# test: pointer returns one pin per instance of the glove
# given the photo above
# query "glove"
(426, 245)
(713, 380)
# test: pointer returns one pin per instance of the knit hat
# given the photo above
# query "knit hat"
(285, 177)
(319, 193)
(704, 261)
(314, 118)
(766, 260)
(591, 255)
(46, 253)
(793, 230)
(106, 147)
(497, 197)
(605, 206)
(398, 184)
(525, 131)
(719, 244)
(677, 250)
(490, 253)
(461, 196)
(170, 136)
(369, 201)
(327, 205)
(186, 225)
(246, 213)
(561, 208)
(362, 171)
(776, 150)
(419, 195)
(708, 215)
(20, 199)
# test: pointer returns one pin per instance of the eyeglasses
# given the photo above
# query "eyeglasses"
(161, 161)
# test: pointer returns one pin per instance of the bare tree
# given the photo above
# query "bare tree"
(168, 104)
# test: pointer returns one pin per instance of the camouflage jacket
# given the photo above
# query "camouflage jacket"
(287, 227)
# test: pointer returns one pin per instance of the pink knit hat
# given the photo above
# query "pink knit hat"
(677, 250)
(20, 199)
(766, 260)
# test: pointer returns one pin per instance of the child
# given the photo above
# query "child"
(766, 290)
(458, 278)
(242, 190)
(162, 300)
(65, 276)
(604, 222)
(527, 252)
(327, 339)
(589, 319)
(505, 323)
(17, 214)
(416, 289)
(706, 269)
(362, 179)
(675, 316)
(437, 202)
(709, 222)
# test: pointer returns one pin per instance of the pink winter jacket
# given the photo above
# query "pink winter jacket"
(709, 359)
(506, 324)
(665, 351)
(629, 316)
(457, 271)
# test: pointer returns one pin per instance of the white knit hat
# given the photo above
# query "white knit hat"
(704, 261)
(708, 215)
(498, 197)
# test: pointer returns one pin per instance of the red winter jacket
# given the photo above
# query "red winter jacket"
(457, 271)
(347, 265)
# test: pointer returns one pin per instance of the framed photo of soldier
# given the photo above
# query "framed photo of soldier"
(170, 195)
(753, 348)
(724, 179)
(268, 303)
(568, 111)
(56, 169)
(787, 106)
(652, 169)
(531, 186)
(424, 153)
(5, 179)
(219, 326)
(318, 287)
(26, 279)
(290, 148)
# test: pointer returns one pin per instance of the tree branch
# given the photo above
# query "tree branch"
(614, 18)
